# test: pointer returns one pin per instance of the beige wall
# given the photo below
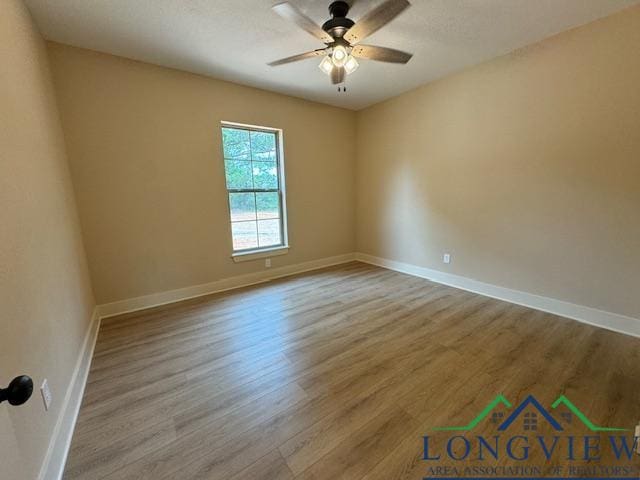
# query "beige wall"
(45, 297)
(145, 156)
(526, 169)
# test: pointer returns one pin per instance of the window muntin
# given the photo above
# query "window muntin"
(254, 178)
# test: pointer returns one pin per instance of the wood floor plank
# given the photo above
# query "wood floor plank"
(335, 373)
(354, 456)
(211, 436)
(304, 449)
(270, 467)
(97, 459)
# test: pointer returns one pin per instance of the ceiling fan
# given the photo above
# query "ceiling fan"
(342, 37)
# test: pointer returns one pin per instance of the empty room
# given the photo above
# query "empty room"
(317, 239)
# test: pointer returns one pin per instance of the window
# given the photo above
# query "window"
(255, 186)
(530, 421)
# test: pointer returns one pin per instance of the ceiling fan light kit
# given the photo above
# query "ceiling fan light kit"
(342, 35)
(340, 57)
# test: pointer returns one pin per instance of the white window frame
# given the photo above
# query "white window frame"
(270, 251)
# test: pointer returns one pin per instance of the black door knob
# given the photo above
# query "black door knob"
(18, 391)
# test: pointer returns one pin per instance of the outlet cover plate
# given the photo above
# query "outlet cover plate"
(46, 394)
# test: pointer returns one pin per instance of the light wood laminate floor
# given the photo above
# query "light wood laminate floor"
(336, 373)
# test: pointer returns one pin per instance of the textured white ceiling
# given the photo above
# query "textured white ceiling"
(234, 39)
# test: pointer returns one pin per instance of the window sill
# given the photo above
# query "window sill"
(258, 254)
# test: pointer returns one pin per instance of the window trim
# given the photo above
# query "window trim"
(271, 250)
(266, 252)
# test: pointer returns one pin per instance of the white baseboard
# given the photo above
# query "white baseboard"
(56, 456)
(171, 296)
(592, 316)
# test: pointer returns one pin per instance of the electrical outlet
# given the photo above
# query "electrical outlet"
(46, 394)
(446, 258)
(267, 263)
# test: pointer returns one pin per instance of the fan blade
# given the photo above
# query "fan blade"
(337, 75)
(375, 19)
(288, 11)
(314, 53)
(381, 54)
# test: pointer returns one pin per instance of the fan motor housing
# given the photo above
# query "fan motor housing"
(338, 25)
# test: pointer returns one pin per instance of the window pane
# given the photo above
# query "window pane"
(238, 174)
(269, 233)
(244, 235)
(268, 205)
(265, 175)
(236, 144)
(243, 206)
(263, 146)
